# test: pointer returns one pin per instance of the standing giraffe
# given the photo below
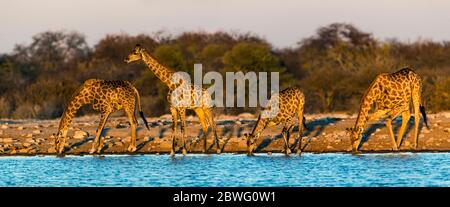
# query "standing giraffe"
(392, 94)
(105, 97)
(291, 102)
(201, 101)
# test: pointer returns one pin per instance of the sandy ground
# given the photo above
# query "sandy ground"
(326, 134)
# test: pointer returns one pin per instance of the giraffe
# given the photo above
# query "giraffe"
(106, 97)
(392, 94)
(201, 101)
(291, 102)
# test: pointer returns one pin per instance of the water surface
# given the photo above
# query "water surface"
(388, 169)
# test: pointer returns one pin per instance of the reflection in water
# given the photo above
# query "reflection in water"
(390, 169)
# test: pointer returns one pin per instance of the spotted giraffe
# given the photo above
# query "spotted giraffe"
(200, 100)
(392, 95)
(105, 97)
(291, 102)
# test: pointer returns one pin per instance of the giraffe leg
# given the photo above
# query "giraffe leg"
(210, 117)
(391, 133)
(285, 133)
(133, 123)
(416, 106)
(300, 131)
(288, 135)
(103, 117)
(182, 113)
(174, 113)
(204, 123)
(405, 119)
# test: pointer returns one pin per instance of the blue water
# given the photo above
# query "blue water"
(400, 169)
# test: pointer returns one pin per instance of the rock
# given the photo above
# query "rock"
(425, 131)
(330, 147)
(1, 132)
(29, 135)
(120, 144)
(407, 143)
(447, 130)
(146, 139)
(377, 130)
(127, 139)
(80, 134)
(20, 128)
(31, 140)
(37, 131)
(51, 150)
(24, 151)
(26, 144)
(7, 140)
(366, 144)
(4, 126)
(341, 134)
(246, 116)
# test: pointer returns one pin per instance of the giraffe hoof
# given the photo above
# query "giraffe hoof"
(92, 151)
(218, 151)
(172, 153)
(287, 151)
(184, 151)
(131, 149)
(299, 152)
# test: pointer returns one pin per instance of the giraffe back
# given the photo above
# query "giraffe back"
(396, 88)
(109, 95)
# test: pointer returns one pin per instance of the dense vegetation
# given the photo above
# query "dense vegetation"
(333, 67)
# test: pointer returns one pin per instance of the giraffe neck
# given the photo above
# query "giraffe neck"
(363, 114)
(69, 112)
(368, 99)
(162, 72)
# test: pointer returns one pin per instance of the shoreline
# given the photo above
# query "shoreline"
(326, 134)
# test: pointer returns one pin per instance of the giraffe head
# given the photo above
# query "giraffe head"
(135, 55)
(251, 143)
(355, 135)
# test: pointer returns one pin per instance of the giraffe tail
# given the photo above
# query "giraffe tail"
(141, 113)
(424, 115)
(143, 118)
(304, 123)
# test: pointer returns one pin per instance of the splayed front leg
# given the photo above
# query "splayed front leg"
(96, 145)
(285, 133)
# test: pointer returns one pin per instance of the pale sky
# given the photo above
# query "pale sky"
(281, 22)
